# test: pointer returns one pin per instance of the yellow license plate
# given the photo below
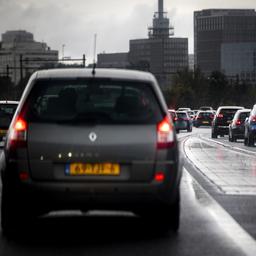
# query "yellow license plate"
(3, 132)
(97, 169)
(205, 122)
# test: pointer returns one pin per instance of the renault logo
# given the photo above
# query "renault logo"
(92, 136)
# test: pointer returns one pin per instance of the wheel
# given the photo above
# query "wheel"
(230, 136)
(177, 131)
(168, 217)
(250, 140)
(214, 135)
(14, 211)
(245, 141)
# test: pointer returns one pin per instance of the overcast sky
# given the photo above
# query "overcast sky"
(74, 22)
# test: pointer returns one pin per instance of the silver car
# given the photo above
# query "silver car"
(91, 140)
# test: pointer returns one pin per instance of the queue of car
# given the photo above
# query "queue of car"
(235, 121)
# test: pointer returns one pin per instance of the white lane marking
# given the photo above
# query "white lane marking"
(225, 222)
(233, 172)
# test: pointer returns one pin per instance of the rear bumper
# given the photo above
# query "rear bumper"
(48, 196)
(182, 125)
(238, 132)
(223, 130)
(96, 196)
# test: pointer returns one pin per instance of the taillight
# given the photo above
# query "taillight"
(220, 115)
(238, 122)
(165, 134)
(253, 119)
(17, 136)
(175, 118)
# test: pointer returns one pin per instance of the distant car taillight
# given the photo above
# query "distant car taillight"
(220, 115)
(238, 122)
(253, 119)
(17, 134)
(165, 134)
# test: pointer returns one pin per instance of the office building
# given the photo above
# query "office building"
(21, 55)
(160, 53)
(113, 60)
(224, 40)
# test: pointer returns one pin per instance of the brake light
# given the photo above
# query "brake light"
(165, 134)
(220, 116)
(253, 118)
(175, 118)
(159, 176)
(17, 134)
(20, 125)
(238, 122)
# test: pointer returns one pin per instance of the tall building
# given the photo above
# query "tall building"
(225, 40)
(113, 60)
(21, 55)
(160, 53)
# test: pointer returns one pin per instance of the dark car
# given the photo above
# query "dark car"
(183, 122)
(250, 128)
(85, 140)
(236, 128)
(222, 119)
(7, 110)
(203, 118)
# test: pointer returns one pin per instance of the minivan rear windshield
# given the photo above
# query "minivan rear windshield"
(93, 101)
(228, 112)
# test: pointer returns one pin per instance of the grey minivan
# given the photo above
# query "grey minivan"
(91, 140)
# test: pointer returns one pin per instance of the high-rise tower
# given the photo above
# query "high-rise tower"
(160, 53)
(161, 24)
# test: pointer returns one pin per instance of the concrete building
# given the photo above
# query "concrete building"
(113, 60)
(21, 55)
(238, 61)
(222, 36)
(160, 53)
(191, 62)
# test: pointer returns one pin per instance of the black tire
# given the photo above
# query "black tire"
(15, 213)
(214, 135)
(250, 140)
(177, 131)
(8, 209)
(245, 141)
(230, 137)
(168, 218)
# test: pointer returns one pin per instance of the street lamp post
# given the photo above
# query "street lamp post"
(63, 46)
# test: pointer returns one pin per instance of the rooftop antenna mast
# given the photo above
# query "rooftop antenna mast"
(94, 54)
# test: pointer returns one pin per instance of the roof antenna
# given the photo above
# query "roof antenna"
(94, 55)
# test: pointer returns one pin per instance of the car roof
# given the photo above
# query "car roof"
(99, 73)
(230, 107)
(185, 112)
(244, 110)
(8, 102)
